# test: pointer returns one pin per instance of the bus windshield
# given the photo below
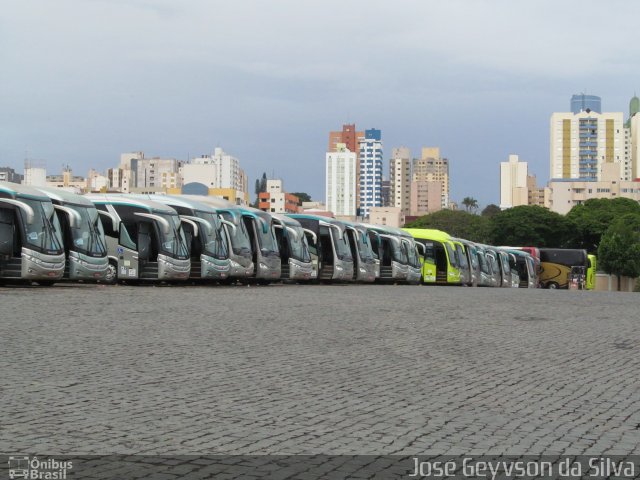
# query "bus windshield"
(452, 255)
(240, 241)
(399, 254)
(266, 238)
(299, 249)
(343, 252)
(482, 260)
(411, 253)
(462, 257)
(40, 233)
(364, 248)
(429, 251)
(87, 235)
(213, 243)
(173, 242)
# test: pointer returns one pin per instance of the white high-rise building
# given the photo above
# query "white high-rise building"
(513, 183)
(581, 143)
(370, 187)
(341, 181)
(218, 174)
(400, 179)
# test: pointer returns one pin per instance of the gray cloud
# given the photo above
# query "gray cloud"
(83, 81)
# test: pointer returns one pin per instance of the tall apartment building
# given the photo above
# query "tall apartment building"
(276, 200)
(513, 183)
(582, 142)
(218, 174)
(350, 137)
(8, 174)
(158, 174)
(431, 167)
(400, 179)
(123, 178)
(370, 169)
(341, 181)
(633, 133)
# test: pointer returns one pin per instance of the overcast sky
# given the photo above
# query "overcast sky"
(83, 81)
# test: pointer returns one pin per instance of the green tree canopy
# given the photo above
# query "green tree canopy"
(531, 225)
(457, 223)
(304, 197)
(490, 210)
(593, 217)
(619, 249)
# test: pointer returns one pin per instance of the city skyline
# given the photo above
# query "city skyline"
(178, 80)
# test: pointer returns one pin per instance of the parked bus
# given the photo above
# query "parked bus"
(470, 251)
(30, 245)
(440, 264)
(394, 263)
(524, 266)
(365, 266)
(328, 245)
(145, 239)
(205, 235)
(556, 264)
(295, 259)
(414, 252)
(592, 266)
(463, 261)
(238, 238)
(82, 235)
(487, 278)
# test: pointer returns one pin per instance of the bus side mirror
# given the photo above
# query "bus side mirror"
(230, 225)
(26, 208)
(72, 215)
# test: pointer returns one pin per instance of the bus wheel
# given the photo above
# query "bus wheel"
(112, 273)
(552, 285)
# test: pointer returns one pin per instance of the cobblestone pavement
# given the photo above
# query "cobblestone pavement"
(318, 369)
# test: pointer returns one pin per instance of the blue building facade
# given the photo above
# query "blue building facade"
(370, 171)
(582, 103)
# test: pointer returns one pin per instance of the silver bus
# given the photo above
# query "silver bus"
(295, 259)
(365, 266)
(145, 240)
(394, 263)
(329, 246)
(205, 235)
(30, 244)
(82, 235)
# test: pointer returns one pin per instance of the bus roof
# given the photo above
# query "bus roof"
(176, 200)
(63, 196)
(429, 234)
(17, 190)
(119, 199)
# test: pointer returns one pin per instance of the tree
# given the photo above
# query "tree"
(456, 223)
(470, 204)
(531, 225)
(261, 186)
(619, 250)
(593, 217)
(304, 197)
(490, 210)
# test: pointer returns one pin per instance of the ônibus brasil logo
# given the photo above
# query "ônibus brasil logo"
(36, 469)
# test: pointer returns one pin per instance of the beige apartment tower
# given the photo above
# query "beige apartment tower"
(582, 143)
(400, 179)
(431, 167)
